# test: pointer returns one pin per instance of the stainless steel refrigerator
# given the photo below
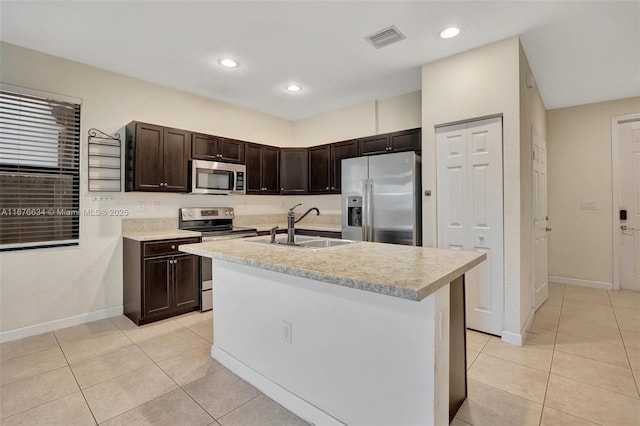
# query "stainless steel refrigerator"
(381, 199)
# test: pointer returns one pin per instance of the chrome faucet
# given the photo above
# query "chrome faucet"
(291, 221)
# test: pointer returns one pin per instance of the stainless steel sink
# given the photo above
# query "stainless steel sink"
(303, 242)
(325, 243)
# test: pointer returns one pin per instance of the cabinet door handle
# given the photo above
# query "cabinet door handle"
(327, 188)
(173, 246)
(333, 188)
(281, 189)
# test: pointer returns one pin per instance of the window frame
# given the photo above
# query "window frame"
(52, 244)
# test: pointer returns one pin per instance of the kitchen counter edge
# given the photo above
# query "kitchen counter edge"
(378, 282)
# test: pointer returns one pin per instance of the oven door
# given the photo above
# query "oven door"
(206, 272)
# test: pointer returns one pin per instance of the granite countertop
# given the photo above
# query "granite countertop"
(406, 272)
(158, 234)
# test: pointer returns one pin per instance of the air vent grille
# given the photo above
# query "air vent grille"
(385, 37)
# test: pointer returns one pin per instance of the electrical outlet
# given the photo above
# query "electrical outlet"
(587, 205)
(286, 331)
(103, 197)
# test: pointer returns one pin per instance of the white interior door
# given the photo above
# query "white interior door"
(470, 213)
(540, 222)
(629, 200)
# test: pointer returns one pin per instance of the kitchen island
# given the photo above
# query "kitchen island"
(359, 334)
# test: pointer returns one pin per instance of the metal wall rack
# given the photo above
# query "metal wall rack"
(105, 171)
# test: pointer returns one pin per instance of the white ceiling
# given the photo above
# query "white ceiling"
(580, 51)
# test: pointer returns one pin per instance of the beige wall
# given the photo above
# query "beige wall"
(370, 118)
(477, 83)
(579, 138)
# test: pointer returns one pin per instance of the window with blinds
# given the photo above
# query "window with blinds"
(39, 170)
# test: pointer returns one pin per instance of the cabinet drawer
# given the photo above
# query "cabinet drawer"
(166, 247)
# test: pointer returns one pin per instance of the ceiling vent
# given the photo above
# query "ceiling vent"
(385, 37)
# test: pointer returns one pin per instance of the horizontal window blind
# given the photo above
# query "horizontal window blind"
(39, 171)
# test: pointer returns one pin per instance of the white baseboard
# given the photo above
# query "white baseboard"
(512, 338)
(291, 402)
(584, 283)
(32, 330)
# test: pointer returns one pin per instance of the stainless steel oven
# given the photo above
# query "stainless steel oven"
(213, 177)
(215, 224)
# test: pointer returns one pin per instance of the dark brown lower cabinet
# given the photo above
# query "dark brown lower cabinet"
(159, 281)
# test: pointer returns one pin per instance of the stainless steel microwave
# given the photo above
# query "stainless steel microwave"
(213, 177)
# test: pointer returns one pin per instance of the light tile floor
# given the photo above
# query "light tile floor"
(580, 366)
(111, 372)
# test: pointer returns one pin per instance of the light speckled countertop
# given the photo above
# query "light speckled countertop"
(407, 272)
(159, 234)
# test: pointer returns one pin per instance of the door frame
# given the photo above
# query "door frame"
(615, 180)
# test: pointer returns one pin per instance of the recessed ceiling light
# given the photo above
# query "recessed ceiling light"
(293, 87)
(450, 32)
(228, 63)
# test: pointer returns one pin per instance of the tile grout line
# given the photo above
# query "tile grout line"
(183, 389)
(76, 380)
(544, 402)
(167, 374)
(626, 352)
(553, 354)
(597, 360)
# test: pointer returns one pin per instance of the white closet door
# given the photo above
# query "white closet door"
(540, 222)
(470, 213)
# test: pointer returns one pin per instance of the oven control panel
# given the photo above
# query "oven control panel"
(204, 213)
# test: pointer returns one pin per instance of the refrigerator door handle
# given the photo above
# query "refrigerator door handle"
(369, 210)
(365, 213)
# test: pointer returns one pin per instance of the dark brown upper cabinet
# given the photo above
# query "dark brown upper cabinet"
(325, 165)
(215, 148)
(406, 140)
(157, 158)
(293, 171)
(263, 170)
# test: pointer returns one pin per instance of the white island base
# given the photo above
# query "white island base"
(331, 354)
